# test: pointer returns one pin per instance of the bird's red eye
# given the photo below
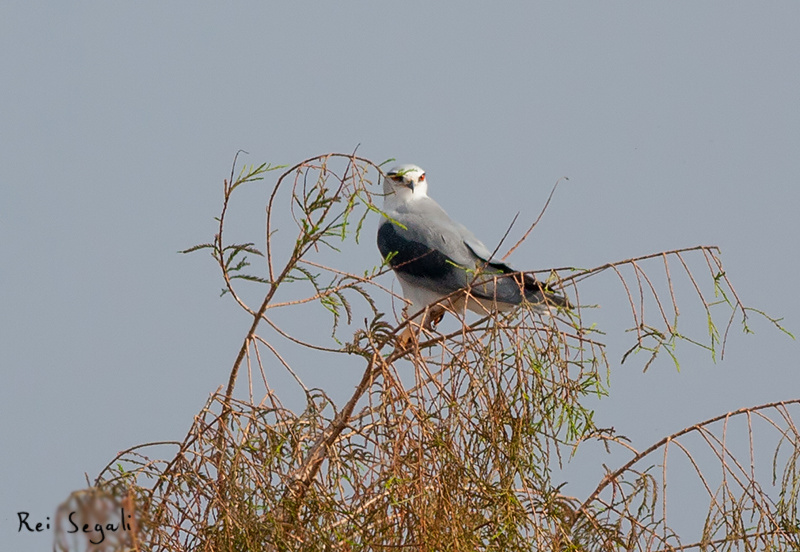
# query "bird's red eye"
(422, 177)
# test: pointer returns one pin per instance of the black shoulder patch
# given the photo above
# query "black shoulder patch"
(411, 257)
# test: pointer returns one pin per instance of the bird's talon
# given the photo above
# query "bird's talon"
(436, 317)
(406, 338)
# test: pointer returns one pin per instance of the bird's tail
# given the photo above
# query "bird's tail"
(539, 293)
(514, 288)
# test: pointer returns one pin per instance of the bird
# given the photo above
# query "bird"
(434, 256)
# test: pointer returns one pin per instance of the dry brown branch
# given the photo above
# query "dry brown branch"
(452, 442)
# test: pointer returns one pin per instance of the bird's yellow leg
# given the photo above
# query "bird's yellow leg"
(407, 337)
(430, 320)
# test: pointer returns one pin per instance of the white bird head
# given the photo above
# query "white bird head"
(404, 183)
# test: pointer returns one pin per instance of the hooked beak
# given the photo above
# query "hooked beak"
(402, 180)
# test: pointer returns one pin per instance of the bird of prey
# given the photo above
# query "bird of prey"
(433, 256)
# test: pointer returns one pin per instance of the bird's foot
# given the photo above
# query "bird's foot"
(407, 337)
(411, 333)
(435, 316)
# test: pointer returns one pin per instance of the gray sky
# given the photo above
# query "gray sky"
(677, 124)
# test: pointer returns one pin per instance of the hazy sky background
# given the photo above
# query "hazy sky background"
(677, 124)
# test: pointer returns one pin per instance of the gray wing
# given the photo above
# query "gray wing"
(428, 249)
(424, 259)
